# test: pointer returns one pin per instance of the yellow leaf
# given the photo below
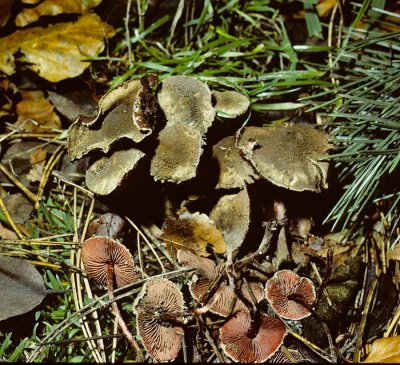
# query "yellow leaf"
(5, 8)
(393, 254)
(54, 7)
(385, 350)
(35, 107)
(193, 232)
(324, 7)
(56, 52)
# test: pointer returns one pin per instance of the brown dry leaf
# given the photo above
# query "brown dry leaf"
(7, 95)
(7, 234)
(38, 160)
(385, 350)
(56, 52)
(36, 114)
(19, 207)
(54, 7)
(193, 232)
(5, 8)
(393, 254)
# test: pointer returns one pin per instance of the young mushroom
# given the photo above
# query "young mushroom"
(251, 340)
(290, 295)
(109, 225)
(107, 261)
(159, 308)
(230, 103)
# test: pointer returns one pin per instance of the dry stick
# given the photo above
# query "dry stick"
(47, 171)
(288, 354)
(117, 313)
(394, 321)
(127, 35)
(363, 323)
(114, 341)
(147, 242)
(10, 220)
(17, 183)
(157, 244)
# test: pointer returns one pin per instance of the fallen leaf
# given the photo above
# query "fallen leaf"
(36, 114)
(7, 95)
(21, 286)
(193, 232)
(54, 7)
(324, 7)
(5, 6)
(393, 254)
(56, 52)
(19, 207)
(7, 234)
(385, 350)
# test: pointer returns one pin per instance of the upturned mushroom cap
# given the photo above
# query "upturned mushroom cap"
(230, 103)
(108, 172)
(178, 153)
(290, 295)
(115, 117)
(235, 170)
(98, 252)
(159, 309)
(186, 100)
(242, 347)
(288, 155)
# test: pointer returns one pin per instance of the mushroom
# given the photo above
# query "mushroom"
(105, 174)
(177, 154)
(109, 225)
(186, 103)
(159, 308)
(224, 300)
(290, 295)
(105, 259)
(288, 155)
(185, 100)
(116, 116)
(249, 340)
(235, 171)
(230, 103)
(231, 215)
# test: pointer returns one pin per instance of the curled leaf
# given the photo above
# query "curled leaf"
(385, 350)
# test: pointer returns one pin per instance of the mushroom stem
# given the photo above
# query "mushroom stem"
(117, 313)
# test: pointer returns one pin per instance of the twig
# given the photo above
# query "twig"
(127, 33)
(17, 183)
(10, 220)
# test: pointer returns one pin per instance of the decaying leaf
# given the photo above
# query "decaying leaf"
(21, 285)
(231, 215)
(235, 171)
(19, 207)
(8, 92)
(54, 7)
(5, 6)
(56, 52)
(393, 254)
(72, 105)
(385, 350)
(230, 103)
(288, 155)
(178, 154)
(115, 116)
(36, 114)
(7, 234)
(193, 231)
(108, 172)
